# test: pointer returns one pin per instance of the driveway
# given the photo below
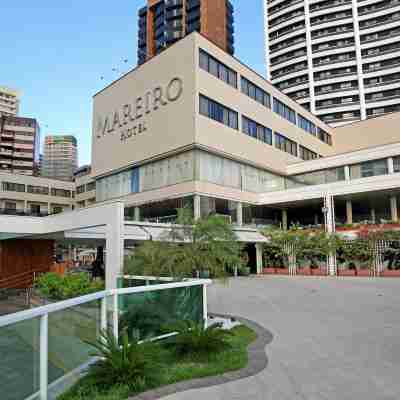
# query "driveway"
(334, 339)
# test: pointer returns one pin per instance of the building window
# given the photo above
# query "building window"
(285, 144)
(214, 67)
(13, 187)
(38, 189)
(307, 125)
(257, 131)
(90, 186)
(306, 154)
(284, 111)
(369, 168)
(324, 136)
(60, 192)
(211, 109)
(80, 189)
(256, 93)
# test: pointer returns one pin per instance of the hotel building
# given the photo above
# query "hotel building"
(163, 22)
(340, 59)
(213, 134)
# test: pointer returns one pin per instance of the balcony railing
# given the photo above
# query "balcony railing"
(42, 346)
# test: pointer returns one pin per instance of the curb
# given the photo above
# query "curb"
(258, 361)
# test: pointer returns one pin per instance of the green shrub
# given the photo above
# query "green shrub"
(55, 287)
(196, 341)
(125, 364)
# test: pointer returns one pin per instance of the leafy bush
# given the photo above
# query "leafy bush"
(56, 287)
(195, 340)
(125, 364)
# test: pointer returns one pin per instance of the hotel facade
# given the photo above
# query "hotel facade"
(194, 127)
(211, 133)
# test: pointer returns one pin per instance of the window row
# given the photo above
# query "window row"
(216, 68)
(257, 131)
(285, 144)
(44, 190)
(229, 117)
(216, 111)
(256, 93)
(307, 154)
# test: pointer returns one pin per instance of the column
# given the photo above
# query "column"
(316, 221)
(259, 257)
(390, 165)
(136, 214)
(239, 214)
(196, 207)
(349, 212)
(25, 206)
(284, 220)
(393, 208)
(115, 248)
(329, 208)
(373, 215)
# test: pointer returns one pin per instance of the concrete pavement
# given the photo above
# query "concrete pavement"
(333, 338)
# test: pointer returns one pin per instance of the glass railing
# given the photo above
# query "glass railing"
(42, 348)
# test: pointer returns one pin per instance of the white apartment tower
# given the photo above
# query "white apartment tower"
(60, 157)
(340, 59)
(9, 101)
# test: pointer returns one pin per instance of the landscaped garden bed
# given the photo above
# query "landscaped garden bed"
(155, 365)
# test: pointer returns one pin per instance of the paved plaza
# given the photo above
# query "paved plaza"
(333, 338)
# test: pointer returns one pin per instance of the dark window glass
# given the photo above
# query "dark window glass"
(256, 130)
(211, 109)
(256, 93)
(284, 111)
(218, 69)
(285, 144)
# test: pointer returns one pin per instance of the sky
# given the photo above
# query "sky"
(55, 53)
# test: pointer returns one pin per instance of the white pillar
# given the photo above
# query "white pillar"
(390, 165)
(115, 248)
(393, 208)
(197, 207)
(349, 212)
(136, 213)
(239, 214)
(329, 205)
(259, 256)
(284, 220)
(373, 215)
(347, 173)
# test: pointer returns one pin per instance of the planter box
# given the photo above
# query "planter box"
(304, 271)
(363, 272)
(282, 271)
(390, 273)
(319, 272)
(269, 270)
(346, 272)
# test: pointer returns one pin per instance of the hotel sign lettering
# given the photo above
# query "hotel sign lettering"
(130, 119)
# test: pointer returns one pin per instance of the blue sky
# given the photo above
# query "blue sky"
(56, 51)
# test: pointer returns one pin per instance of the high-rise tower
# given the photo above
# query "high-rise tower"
(340, 59)
(163, 22)
(60, 157)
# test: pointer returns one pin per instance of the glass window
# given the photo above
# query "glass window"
(307, 154)
(285, 144)
(396, 164)
(256, 93)
(284, 111)
(256, 130)
(216, 68)
(211, 109)
(369, 168)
